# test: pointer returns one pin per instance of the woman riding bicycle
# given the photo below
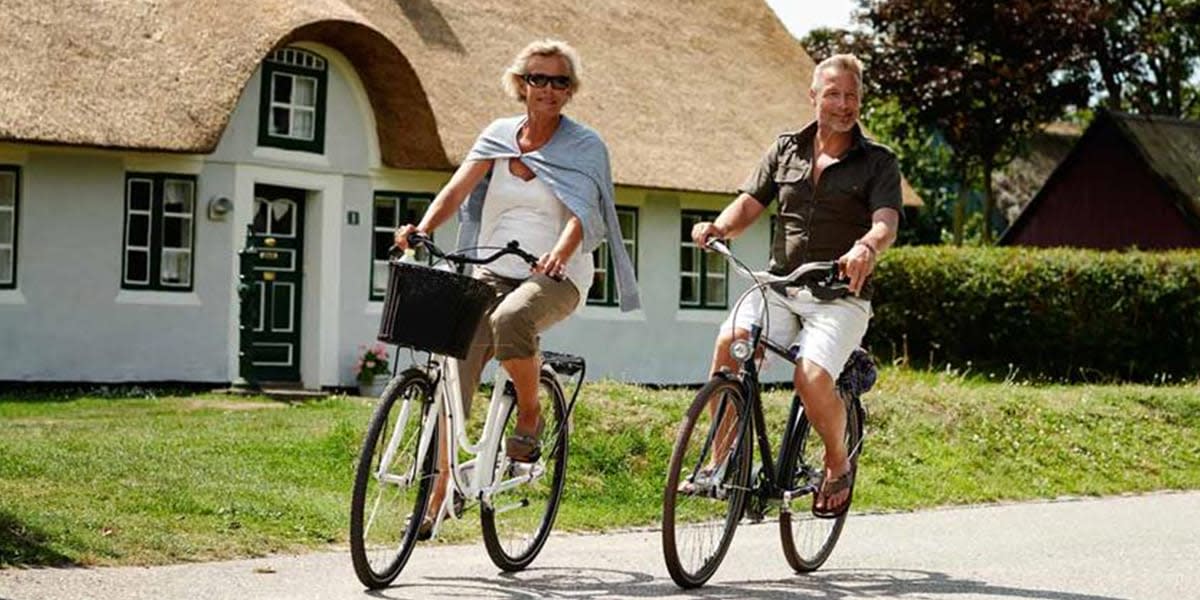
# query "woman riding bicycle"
(839, 199)
(545, 181)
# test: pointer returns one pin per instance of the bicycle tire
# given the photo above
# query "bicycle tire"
(412, 389)
(718, 498)
(507, 534)
(808, 540)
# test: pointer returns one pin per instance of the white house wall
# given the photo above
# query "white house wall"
(68, 319)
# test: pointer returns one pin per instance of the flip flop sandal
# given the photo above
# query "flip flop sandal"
(830, 488)
(699, 484)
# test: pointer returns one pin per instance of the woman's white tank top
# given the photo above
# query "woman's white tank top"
(529, 212)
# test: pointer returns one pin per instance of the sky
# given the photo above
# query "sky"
(800, 16)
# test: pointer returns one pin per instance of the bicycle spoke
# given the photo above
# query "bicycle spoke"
(525, 499)
(382, 532)
(706, 484)
(807, 539)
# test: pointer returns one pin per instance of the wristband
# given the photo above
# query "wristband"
(868, 246)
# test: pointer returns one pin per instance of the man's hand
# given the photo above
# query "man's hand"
(857, 265)
(702, 232)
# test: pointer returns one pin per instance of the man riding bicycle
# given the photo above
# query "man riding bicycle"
(839, 199)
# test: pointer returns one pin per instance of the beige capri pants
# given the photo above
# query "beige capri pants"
(527, 307)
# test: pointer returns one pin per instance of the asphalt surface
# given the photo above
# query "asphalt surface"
(1131, 547)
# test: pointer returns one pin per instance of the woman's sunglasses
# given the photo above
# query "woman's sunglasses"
(540, 80)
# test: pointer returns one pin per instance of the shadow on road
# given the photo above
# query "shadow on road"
(826, 585)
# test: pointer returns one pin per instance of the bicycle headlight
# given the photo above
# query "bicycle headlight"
(740, 350)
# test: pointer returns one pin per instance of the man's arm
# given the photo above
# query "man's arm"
(859, 262)
(740, 214)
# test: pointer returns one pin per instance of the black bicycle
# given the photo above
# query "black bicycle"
(712, 482)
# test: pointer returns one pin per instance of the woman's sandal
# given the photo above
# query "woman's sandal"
(526, 448)
(425, 529)
(831, 487)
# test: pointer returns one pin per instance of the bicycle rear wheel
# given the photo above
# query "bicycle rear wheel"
(391, 491)
(808, 540)
(706, 483)
(521, 514)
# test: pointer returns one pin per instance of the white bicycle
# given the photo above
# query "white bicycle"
(400, 457)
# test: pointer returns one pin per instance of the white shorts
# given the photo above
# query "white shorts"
(831, 329)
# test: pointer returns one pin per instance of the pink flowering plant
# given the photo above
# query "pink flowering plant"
(372, 361)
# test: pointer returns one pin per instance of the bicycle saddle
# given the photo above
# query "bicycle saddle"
(563, 364)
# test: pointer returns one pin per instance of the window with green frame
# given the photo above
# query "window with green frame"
(391, 210)
(10, 195)
(702, 275)
(292, 108)
(604, 283)
(160, 211)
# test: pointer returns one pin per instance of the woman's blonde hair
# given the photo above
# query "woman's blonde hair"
(511, 80)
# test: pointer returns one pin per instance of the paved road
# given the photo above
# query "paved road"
(1145, 547)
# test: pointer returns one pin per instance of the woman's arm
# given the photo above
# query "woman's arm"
(554, 262)
(452, 195)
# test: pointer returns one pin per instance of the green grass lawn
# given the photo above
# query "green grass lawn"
(151, 480)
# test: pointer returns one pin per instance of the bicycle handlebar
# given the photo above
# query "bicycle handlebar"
(827, 270)
(513, 248)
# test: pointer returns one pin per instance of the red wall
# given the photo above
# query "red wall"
(1106, 199)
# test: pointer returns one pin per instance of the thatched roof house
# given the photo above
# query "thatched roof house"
(168, 135)
(1130, 181)
(676, 88)
(1019, 181)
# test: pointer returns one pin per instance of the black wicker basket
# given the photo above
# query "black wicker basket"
(432, 310)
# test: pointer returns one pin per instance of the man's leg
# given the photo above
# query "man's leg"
(827, 414)
(783, 327)
(831, 332)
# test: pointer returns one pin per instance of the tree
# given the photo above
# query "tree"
(983, 74)
(1145, 54)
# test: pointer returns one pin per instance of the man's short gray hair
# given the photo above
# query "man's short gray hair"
(840, 62)
(511, 80)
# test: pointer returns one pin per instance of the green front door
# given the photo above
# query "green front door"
(278, 229)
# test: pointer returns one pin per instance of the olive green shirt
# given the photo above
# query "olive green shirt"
(822, 222)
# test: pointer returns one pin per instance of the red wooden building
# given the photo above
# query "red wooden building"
(1130, 181)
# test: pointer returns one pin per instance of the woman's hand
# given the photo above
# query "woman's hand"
(402, 233)
(553, 264)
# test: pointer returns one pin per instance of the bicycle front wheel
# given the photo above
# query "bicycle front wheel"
(707, 483)
(808, 540)
(391, 490)
(524, 503)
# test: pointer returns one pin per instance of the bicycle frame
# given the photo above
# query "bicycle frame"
(473, 478)
(747, 378)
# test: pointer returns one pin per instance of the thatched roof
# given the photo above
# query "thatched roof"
(1020, 180)
(1171, 148)
(687, 94)
(1168, 148)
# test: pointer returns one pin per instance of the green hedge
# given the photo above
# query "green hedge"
(1058, 313)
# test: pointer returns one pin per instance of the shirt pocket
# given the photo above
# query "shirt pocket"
(790, 173)
(852, 187)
